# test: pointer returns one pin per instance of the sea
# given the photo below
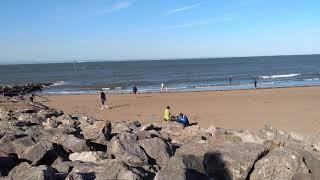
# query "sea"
(208, 74)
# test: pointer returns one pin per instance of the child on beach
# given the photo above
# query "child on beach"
(167, 114)
(103, 100)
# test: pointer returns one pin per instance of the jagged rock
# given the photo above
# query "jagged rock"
(42, 152)
(119, 128)
(7, 162)
(270, 133)
(67, 129)
(66, 119)
(180, 168)
(118, 170)
(173, 128)
(157, 149)
(127, 149)
(99, 132)
(279, 164)
(134, 125)
(81, 176)
(302, 177)
(51, 123)
(61, 165)
(21, 144)
(222, 159)
(315, 142)
(88, 156)
(70, 143)
(26, 172)
(4, 115)
(249, 137)
(45, 114)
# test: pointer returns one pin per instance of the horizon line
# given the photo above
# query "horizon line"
(153, 59)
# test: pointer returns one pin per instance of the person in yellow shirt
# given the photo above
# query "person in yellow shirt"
(167, 114)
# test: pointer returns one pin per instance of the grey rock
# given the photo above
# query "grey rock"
(128, 150)
(88, 156)
(119, 128)
(227, 160)
(67, 129)
(279, 164)
(42, 152)
(117, 170)
(157, 149)
(70, 143)
(21, 144)
(99, 132)
(81, 176)
(178, 168)
(302, 177)
(26, 172)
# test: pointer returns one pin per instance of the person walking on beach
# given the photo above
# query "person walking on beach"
(134, 89)
(103, 100)
(167, 114)
(162, 87)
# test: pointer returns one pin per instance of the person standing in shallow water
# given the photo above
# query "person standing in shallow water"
(134, 89)
(103, 99)
(255, 84)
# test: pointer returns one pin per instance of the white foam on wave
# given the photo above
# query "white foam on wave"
(58, 83)
(313, 79)
(280, 76)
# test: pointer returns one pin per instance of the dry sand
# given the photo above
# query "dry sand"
(288, 109)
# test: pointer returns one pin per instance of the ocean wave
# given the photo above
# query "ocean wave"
(58, 83)
(279, 76)
(313, 79)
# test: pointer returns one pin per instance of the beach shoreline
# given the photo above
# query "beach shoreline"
(288, 109)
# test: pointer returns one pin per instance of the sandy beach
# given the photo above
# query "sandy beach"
(288, 109)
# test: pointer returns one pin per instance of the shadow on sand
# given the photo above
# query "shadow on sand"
(118, 106)
(144, 96)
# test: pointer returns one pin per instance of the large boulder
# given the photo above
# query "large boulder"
(157, 149)
(81, 176)
(40, 153)
(21, 144)
(99, 132)
(279, 164)
(88, 156)
(179, 168)
(118, 170)
(24, 171)
(70, 143)
(222, 159)
(125, 148)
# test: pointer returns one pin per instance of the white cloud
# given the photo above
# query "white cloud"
(200, 23)
(119, 5)
(181, 9)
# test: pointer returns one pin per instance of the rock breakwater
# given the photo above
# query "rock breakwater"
(49, 144)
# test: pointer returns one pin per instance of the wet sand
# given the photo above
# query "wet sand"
(288, 109)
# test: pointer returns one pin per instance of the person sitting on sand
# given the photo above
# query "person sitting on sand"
(167, 114)
(183, 119)
(103, 99)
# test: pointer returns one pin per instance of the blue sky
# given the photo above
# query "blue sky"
(59, 30)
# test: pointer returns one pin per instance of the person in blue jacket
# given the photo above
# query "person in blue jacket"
(183, 119)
